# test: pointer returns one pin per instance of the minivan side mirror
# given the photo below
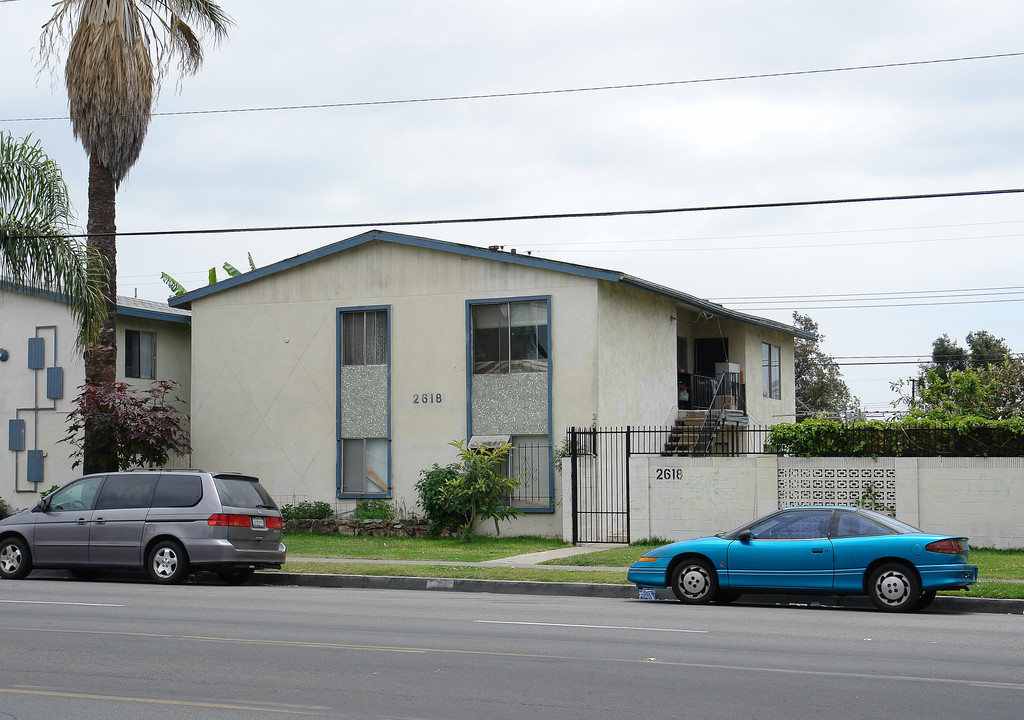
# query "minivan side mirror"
(40, 506)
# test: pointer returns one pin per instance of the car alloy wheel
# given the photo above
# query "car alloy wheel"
(693, 581)
(894, 588)
(15, 561)
(167, 562)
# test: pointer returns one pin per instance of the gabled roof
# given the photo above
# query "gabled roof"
(488, 254)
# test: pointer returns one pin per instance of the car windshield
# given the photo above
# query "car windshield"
(243, 492)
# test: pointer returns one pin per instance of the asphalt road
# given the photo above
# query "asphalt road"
(134, 650)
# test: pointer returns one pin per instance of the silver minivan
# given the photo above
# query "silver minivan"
(166, 521)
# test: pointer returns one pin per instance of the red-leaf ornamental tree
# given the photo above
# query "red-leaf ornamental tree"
(135, 428)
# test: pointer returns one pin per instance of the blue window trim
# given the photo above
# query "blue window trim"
(469, 382)
(338, 453)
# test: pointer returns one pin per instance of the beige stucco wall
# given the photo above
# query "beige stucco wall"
(637, 357)
(265, 362)
(173, 362)
(761, 410)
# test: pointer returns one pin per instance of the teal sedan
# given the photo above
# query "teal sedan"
(816, 551)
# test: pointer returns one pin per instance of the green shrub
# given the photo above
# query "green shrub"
(307, 510)
(374, 509)
(463, 494)
(5, 509)
(436, 505)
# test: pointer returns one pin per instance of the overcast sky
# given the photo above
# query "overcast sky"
(698, 140)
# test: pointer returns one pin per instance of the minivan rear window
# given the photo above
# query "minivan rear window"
(178, 490)
(242, 492)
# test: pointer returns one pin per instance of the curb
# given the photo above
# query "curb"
(942, 603)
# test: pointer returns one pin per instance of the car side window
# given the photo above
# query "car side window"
(79, 495)
(795, 525)
(178, 491)
(126, 491)
(854, 525)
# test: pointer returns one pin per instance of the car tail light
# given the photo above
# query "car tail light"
(225, 520)
(950, 546)
(274, 523)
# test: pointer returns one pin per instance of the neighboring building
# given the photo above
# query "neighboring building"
(41, 371)
(344, 372)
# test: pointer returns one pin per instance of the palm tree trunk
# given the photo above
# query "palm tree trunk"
(101, 360)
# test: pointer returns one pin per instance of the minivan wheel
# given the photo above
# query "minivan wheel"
(167, 563)
(236, 577)
(15, 559)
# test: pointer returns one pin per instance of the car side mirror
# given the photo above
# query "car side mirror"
(745, 536)
(40, 506)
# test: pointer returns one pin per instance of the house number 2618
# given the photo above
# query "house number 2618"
(430, 398)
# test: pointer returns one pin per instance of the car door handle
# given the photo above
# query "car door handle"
(101, 521)
(818, 550)
(81, 521)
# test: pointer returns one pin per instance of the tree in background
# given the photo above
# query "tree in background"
(948, 356)
(118, 54)
(35, 216)
(985, 381)
(820, 388)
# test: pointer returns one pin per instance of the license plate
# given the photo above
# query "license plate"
(259, 522)
(647, 594)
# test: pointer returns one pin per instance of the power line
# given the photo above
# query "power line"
(885, 305)
(561, 91)
(865, 295)
(553, 216)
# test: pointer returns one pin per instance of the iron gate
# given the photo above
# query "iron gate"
(600, 485)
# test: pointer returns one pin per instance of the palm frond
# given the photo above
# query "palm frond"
(35, 215)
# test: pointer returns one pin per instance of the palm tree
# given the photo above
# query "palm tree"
(35, 216)
(118, 54)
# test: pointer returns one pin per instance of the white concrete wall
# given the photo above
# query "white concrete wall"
(20, 389)
(679, 498)
(23, 316)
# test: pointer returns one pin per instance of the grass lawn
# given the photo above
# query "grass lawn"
(404, 548)
(995, 567)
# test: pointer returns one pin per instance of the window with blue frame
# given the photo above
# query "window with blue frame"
(510, 337)
(364, 466)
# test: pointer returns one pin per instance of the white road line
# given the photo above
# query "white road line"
(596, 627)
(50, 602)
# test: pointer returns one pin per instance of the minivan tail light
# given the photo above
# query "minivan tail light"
(225, 520)
(274, 523)
(950, 546)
